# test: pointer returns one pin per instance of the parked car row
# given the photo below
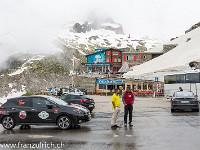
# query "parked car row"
(60, 91)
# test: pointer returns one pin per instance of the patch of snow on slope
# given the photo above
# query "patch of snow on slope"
(23, 67)
(176, 59)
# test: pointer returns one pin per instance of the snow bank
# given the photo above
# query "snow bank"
(176, 59)
(23, 67)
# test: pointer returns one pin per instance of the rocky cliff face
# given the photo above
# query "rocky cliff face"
(193, 27)
(33, 82)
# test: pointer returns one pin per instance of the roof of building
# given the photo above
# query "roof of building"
(106, 50)
(142, 52)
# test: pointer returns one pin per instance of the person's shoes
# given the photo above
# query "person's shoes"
(125, 124)
(116, 126)
(130, 124)
(113, 127)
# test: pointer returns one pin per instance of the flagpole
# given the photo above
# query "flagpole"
(73, 71)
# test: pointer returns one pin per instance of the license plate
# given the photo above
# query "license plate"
(90, 106)
(185, 102)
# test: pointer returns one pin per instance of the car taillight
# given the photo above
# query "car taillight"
(194, 100)
(2, 108)
(83, 101)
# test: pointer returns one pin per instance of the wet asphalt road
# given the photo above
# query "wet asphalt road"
(151, 131)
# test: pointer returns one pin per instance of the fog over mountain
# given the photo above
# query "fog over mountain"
(33, 26)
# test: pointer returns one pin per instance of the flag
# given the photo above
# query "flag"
(74, 63)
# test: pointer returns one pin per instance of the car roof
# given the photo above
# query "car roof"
(74, 94)
(44, 96)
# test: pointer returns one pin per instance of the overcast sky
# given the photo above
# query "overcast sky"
(32, 25)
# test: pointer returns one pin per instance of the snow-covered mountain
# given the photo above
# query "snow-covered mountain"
(88, 36)
(176, 60)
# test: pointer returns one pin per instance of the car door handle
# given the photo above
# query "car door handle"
(33, 109)
(14, 109)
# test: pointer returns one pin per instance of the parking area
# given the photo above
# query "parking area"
(154, 128)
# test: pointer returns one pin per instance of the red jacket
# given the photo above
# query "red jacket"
(128, 98)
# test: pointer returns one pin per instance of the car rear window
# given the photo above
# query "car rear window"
(184, 94)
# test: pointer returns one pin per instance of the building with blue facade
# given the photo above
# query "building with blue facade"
(104, 60)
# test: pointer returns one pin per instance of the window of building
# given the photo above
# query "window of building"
(119, 60)
(115, 60)
(180, 78)
(192, 78)
(107, 60)
(170, 79)
(127, 57)
(102, 86)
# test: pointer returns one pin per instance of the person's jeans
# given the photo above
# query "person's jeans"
(128, 109)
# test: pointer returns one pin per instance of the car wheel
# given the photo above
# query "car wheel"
(8, 122)
(64, 122)
(172, 110)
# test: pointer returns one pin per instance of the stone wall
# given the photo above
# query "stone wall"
(32, 82)
(169, 47)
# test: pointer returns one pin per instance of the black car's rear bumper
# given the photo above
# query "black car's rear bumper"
(89, 106)
(184, 107)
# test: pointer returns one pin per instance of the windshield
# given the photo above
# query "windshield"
(86, 96)
(184, 94)
(58, 101)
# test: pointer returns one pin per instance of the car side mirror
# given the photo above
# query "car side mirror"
(49, 106)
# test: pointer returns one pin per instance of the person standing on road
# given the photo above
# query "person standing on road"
(128, 100)
(116, 106)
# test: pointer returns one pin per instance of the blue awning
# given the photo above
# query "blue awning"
(98, 64)
(109, 82)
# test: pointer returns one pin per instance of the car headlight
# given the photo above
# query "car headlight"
(78, 111)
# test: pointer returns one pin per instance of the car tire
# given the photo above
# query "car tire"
(172, 110)
(8, 122)
(64, 122)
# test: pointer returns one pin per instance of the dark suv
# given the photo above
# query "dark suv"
(183, 100)
(83, 100)
(40, 110)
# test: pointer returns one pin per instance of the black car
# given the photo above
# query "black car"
(183, 100)
(41, 110)
(83, 100)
